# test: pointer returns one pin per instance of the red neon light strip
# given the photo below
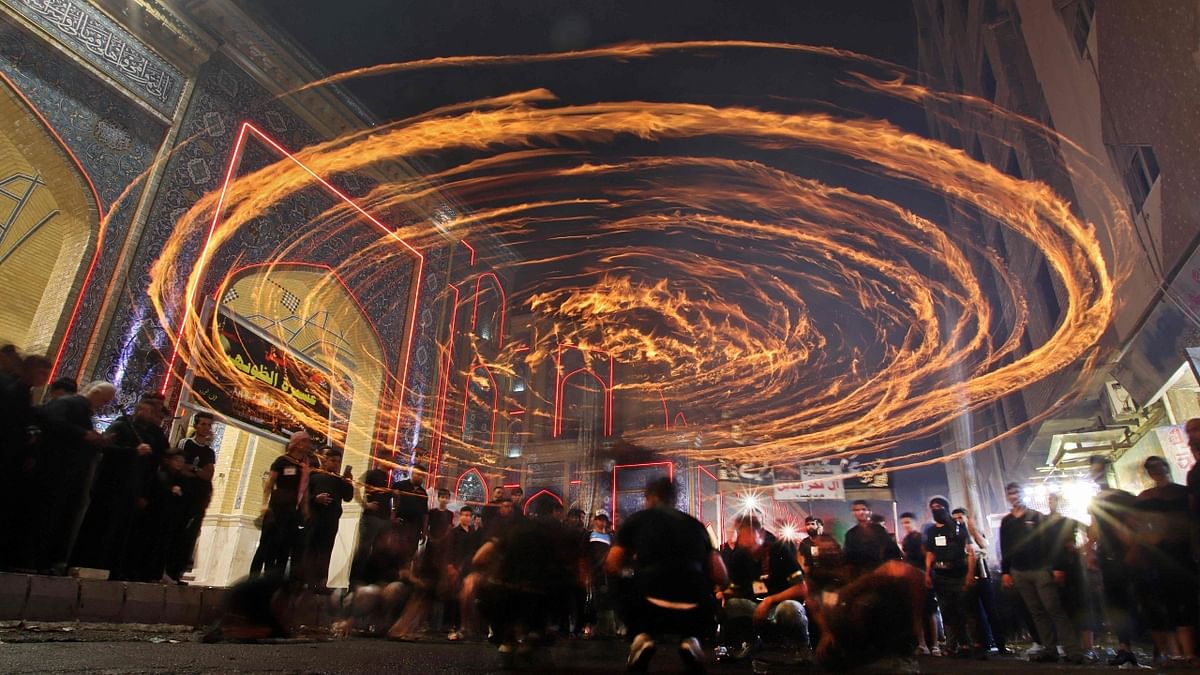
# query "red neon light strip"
(495, 400)
(618, 467)
(700, 493)
(556, 422)
(201, 261)
(458, 486)
(666, 415)
(444, 386)
(679, 415)
(503, 304)
(470, 248)
(539, 493)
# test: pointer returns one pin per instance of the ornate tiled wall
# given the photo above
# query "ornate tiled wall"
(113, 139)
(116, 124)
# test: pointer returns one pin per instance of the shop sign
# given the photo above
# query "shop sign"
(1173, 440)
(816, 481)
(251, 356)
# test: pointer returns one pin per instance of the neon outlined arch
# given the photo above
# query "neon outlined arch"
(202, 261)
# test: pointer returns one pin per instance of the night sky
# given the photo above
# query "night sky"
(342, 36)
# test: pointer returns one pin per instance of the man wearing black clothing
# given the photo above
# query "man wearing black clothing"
(412, 512)
(1109, 537)
(950, 571)
(1028, 565)
(868, 545)
(807, 549)
(20, 432)
(199, 462)
(461, 544)
(169, 499)
(765, 591)
(1166, 572)
(441, 519)
(674, 570)
(327, 490)
(283, 492)
(375, 524)
(528, 573)
(123, 517)
(64, 471)
(912, 547)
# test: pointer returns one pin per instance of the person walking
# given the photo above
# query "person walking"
(283, 495)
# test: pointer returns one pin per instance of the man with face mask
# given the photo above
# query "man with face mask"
(950, 571)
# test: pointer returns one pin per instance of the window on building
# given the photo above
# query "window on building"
(1045, 284)
(987, 81)
(1141, 170)
(1013, 168)
(977, 151)
(1079, 16)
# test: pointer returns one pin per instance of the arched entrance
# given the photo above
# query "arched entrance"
(306, 309)
(49, 224)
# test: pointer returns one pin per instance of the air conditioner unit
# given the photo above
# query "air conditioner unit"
(1118, 402)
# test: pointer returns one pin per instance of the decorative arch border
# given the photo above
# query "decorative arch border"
(458, 484)
(561, 381)
(539, 493)
(247, 129)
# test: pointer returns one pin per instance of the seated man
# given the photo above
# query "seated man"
(763, 601)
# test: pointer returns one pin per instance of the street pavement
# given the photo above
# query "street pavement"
(125, 650)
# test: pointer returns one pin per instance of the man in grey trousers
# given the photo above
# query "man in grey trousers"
(1036, 571)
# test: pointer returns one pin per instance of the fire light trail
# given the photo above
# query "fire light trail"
(793, 318)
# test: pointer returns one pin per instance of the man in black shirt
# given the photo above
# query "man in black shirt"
(807, 549)
(412, 512)
(461, 544)
(1109, 537)
(1166, 572)
(20, 433)
(199, 463)
(765, 592)
(868, 545)
(373, 526)
(441, 519)
(950, 571)
(327, 490)
(1028, 564)
(528, 572)
(64, 470)
(285, 487)
(674, 571)
(123, 495)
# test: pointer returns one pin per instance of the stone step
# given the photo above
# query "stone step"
(29, 597)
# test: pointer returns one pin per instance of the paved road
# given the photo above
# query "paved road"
(125, 651)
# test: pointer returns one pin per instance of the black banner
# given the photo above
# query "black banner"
(293, 382)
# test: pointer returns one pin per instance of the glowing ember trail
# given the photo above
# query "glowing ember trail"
(791, 317)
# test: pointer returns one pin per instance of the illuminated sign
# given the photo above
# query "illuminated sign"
(294, 383)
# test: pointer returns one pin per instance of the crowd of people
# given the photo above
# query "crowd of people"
(126, 500)
(121, 499)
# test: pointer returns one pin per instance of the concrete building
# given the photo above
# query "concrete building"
(1072, 65)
